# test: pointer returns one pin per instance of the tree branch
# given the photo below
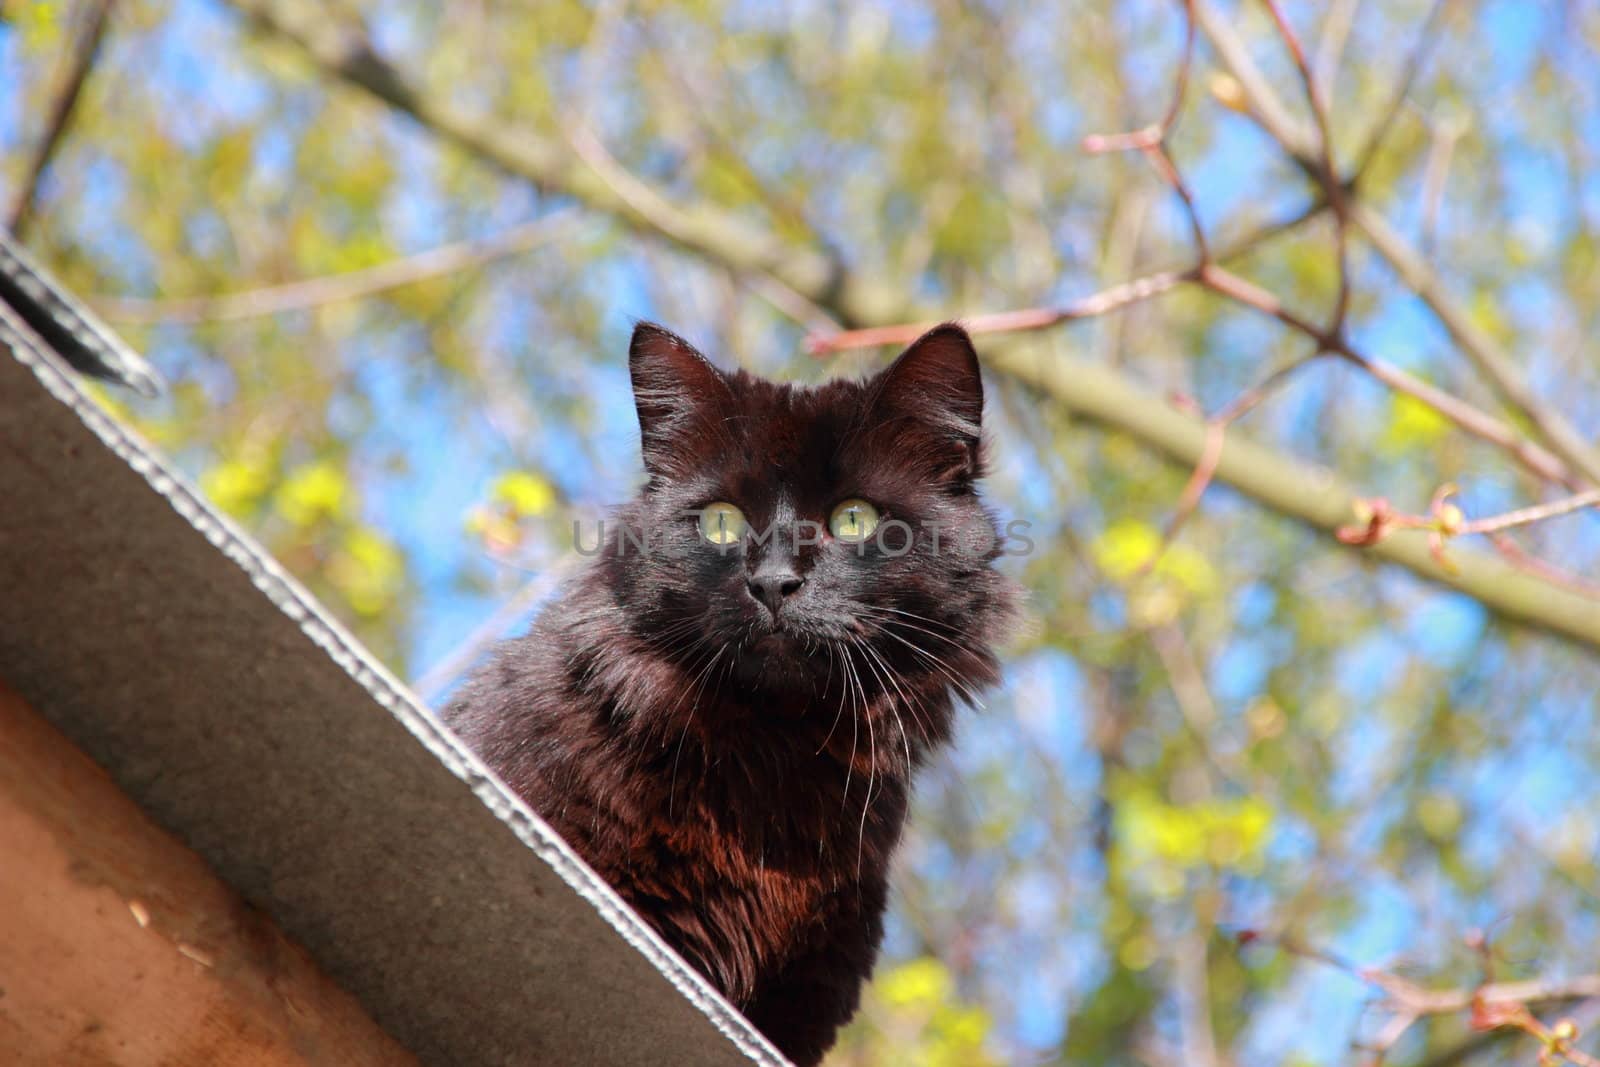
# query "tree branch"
(1537, 513)
(1491, 1006)
(1332, 185)
(1262, 103)
(1490, 359)
(86, 49)
(550, 163)
(1106, 300)
(1112, 298)
(1469, 418)
(1336, 27)
(1414, 63)
(1446, 521)
(352, 285)
(1493, 363)
(1310, 494)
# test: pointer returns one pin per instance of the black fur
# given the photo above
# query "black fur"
(741, 774)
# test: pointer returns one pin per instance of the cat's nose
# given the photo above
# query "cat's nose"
(772, 585)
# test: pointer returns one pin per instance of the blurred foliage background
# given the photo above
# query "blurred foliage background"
(399, 362)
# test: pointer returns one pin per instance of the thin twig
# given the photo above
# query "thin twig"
(1445, 521)
(1332, 184)
(1216, 429)
(1491, 361)
(1197, 1036)
(1415, 61)
(646, 202)
(1193, 697)
(1161, 159)
(1151, 141)
(1330, 49)
(1113, 298)
(1156, 133)
(1538, 513)
(1261, 103)
(1435, 172)
(1473, 420)
(85, 51)
(1027, 319)
(433, 683)
(1388, 1036)
(1523, 560)
(1265, 108)
(1490, 1005)
(351, 285)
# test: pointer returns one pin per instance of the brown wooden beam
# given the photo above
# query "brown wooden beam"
(119, 946)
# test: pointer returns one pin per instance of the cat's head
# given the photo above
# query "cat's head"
(801, 541)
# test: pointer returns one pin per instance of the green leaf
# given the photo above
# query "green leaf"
(312, 493)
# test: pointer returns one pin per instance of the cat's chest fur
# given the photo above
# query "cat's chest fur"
(744, 848)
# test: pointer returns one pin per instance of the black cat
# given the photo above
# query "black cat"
(723, 712)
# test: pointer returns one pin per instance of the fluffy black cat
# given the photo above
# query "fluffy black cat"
(724, 710)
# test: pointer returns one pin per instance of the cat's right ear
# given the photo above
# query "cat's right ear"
(677, 392)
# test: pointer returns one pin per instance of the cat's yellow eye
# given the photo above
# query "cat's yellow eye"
(853, 520)
(721, 523)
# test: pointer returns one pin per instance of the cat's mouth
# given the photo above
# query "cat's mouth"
(802, 632)
(797, 641)
(779, 641)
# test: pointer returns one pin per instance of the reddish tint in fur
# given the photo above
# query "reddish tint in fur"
(741, 774)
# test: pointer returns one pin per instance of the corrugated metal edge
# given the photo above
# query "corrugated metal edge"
(99, 351)
(292, 599)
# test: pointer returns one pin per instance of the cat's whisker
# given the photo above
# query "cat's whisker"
(957, 642)
(963, 688)
(875, 661)
(672, 788)
(855, 731)
(942, 630)
(914, 615)
(843, 693)
(694, 704)
(923, 716)
(872, 763)
(876, 617)
(679, 637)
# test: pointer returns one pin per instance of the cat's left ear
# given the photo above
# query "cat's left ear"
(933, 395)
(678, 393)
